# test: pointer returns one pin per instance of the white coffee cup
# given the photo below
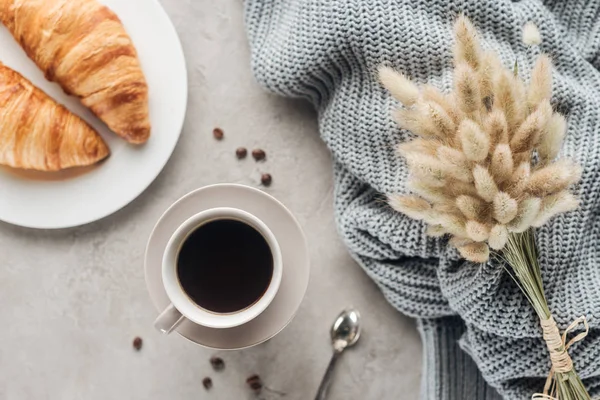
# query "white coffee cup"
(182, 307)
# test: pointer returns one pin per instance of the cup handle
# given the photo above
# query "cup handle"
(168, 320)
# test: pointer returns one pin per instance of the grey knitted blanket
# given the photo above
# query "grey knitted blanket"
(478, 330)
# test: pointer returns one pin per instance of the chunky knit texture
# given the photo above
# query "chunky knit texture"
(327, 51)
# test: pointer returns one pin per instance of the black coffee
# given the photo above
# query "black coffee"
(225, 266)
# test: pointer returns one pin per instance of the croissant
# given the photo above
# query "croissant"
(83, 46)
(38, 133)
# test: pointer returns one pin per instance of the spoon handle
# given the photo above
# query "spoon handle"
(322, 392)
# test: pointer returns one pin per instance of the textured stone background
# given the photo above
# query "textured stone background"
(73, 300)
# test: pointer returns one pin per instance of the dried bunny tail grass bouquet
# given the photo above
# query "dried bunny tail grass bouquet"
(483, 170)
(471, 167)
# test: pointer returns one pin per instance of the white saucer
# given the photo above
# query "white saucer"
(294, 250)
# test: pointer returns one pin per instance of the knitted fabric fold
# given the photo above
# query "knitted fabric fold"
(327, 52)
(448, 372)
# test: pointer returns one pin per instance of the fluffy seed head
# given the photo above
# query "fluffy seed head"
(505, 207)
(466, 88)
(430, 193)
(553, 205)
(544, 111)
(446, 207)
(497, 127)
(401, 88)
(455, 162)
(554, 178)
(519, 180)
(411, 120)
(432, 94)
(466, 47)
(459, 241)
(484, 183)
(498, 237)
(440, 121)
(475, 143)
(477, 231)
(528, 211)
(412, 206)
(502, 163)
(552, 138)
(526, 135)
(475, 252)
(457, 188)
(436, 231)
(505, 98)
(490, 65)
(453, 224)
(531, 34)
(418, 146)
(428, 168)
(521, 96)
(540, 87)
(523, 157)
(471, 207)
(530, 131)
(406, 120)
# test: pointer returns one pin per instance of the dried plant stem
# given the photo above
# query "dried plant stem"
(520, 253)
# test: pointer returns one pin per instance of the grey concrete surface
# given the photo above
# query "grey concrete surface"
(73, 300)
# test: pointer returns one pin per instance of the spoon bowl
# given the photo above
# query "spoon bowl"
(345, 331)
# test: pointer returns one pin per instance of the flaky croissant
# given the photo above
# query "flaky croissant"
(38, 133)
(83, 46)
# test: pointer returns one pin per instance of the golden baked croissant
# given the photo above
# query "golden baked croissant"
(38, 133)
(82, 45)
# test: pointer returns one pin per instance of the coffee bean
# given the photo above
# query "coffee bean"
(255, 383)
(217, 363)
(207, 383)
(137, 343)
(241, 153)
(266, 179)
(218, 133)
(259, 154)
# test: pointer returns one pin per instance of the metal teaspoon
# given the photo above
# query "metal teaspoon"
(344, 333)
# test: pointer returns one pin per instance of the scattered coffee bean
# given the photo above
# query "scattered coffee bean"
(137, 343)
(217, 363)
(266, 179)
(255, 383)
(218, 133)
(241, 153)
(259, 154)
(207, 383)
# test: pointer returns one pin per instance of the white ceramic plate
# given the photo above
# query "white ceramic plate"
(77, 197)
(294, 252)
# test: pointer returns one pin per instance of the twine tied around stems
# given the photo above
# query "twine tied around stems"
(558, 346)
